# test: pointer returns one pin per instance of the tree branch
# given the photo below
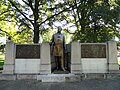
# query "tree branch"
(53, 16)
(5, 12)
(4, 32)
(25, 2)
(20, 11)
(7, 20)
(68, 31)
(75, 3)
(58, 14)
(29, 4)
(76, 22)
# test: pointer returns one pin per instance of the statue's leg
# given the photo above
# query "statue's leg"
(62, 63)
(57, 61)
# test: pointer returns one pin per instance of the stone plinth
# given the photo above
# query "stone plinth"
(45, 62)
(8, 67)
(94, 76)
(75, 58)
(112, 57)
(26, 77)
(7, 77)
(59, 78)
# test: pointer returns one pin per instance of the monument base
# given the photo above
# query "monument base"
(60, 72)
(8, 69)
(59, 78)
(7, 77)
(87, 76)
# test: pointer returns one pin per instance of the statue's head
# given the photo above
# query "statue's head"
(59, 29)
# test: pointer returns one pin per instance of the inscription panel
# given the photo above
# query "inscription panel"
(28, 51)
(93, 51)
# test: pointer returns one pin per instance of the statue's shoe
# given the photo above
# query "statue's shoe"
(63, 69)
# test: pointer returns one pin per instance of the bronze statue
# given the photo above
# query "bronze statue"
(58, 42)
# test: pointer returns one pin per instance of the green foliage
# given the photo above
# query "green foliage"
(23, 37)
(67, 37)
(9, 28)
(47, 36)
(2, 48)
(2, 57)
(95, 20)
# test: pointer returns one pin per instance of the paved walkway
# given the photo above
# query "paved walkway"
(83, 85)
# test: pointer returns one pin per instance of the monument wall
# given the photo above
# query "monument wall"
(80, 58)
(27, 59)
(9, 63)
(94, 57)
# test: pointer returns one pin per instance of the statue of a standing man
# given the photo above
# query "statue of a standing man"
(58, 41)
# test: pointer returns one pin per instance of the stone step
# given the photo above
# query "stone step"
(7, 77)
(60, 72)
(59, 78)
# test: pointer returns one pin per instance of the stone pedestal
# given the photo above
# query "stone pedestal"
(8, 67)
(75, 58)
(59, 78)
(45, 63)
(112, 57)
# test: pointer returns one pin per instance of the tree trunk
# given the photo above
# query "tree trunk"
(36, 26)
(36, 34)
(95, 32)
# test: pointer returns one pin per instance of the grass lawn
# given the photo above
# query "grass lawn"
(2, 57)
(119, 61)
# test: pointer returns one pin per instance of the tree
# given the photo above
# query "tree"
(34, 14)
(98, 23)
(95, 20)
(24, 18)
(7, 29)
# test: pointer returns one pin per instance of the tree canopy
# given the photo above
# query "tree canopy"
(85, 20)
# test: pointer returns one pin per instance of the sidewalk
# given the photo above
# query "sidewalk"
(37, 85)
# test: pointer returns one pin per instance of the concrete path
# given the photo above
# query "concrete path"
(83, 85)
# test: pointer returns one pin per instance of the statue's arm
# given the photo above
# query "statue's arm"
(52, 40)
